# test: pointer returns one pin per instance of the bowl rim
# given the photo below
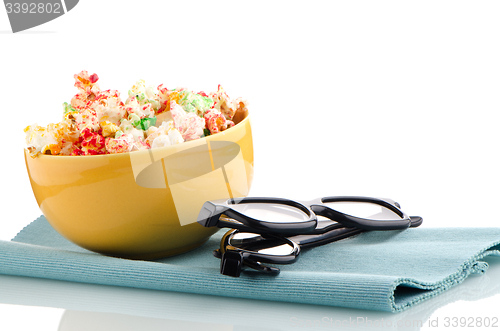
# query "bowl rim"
(116, 155)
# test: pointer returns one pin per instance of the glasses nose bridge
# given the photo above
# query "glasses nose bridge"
(316, 201)
(310, 205)
(319, 209)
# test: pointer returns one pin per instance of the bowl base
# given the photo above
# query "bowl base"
(160, 255)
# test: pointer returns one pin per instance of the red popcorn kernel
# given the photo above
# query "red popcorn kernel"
(77, 151)
(93, 143)
(86, 82)
(93, 78)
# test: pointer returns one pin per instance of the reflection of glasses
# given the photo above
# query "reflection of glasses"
(292, 225)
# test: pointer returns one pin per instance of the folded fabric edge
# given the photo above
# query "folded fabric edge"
(418, 291)
(27, 225)
(29, 260)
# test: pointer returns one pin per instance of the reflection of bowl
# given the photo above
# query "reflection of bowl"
(143, 204)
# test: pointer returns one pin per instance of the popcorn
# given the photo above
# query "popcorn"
(216, 122)
(157, 137)
(189, 125)
(121, 144)
(161, 141)
(97, 121)
(86, 83)
(142, 111)
(227, 106)
(172, 138)
(109, 107)
(154, 132)
(92, 142)
(163, 99)
(42, 140)
(144, 95)
(82, 100)
(87, 118)
(175, 137)
(108, 129)
(130, 127)
(192, 102)
(55, 139)
(138, 145)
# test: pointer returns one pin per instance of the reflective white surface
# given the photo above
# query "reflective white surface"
(387, 99)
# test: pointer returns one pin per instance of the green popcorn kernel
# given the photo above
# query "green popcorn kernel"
(135, 120)
(68, 108)
(147, 122)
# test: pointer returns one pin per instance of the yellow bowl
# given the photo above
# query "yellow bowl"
(143, 204)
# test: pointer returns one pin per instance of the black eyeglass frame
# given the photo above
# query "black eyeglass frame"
(234, 258)
(211, 212)
(359, 222)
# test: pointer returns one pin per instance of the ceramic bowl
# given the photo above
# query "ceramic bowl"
(142, 204)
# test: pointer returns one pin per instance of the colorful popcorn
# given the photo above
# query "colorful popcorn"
(98, 122)
(215, 122)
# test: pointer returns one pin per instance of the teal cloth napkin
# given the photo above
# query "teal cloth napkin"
(379, 270)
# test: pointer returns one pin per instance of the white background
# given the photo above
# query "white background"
(381, 98)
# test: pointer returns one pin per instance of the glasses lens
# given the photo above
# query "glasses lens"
(271, 212)
(256, 243)
(364, 210)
